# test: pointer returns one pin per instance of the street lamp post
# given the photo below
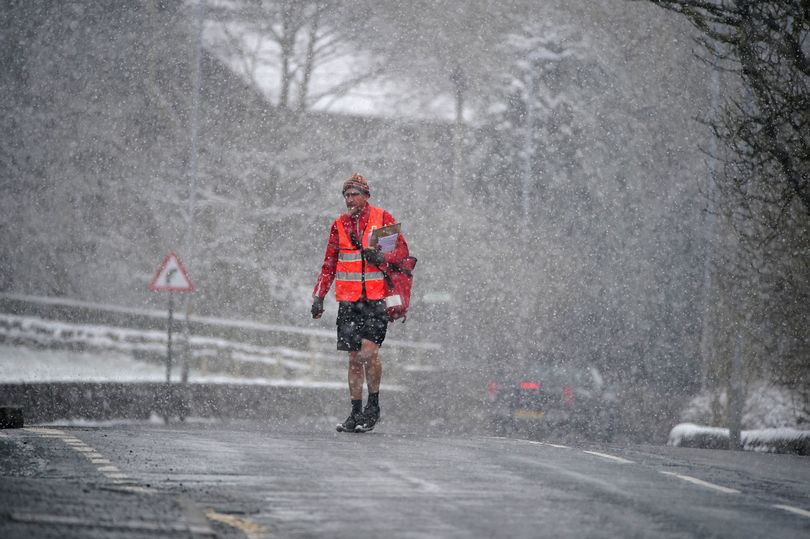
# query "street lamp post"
(194, 179)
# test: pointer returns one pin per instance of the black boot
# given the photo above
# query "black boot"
(354, 420)
(371, 415)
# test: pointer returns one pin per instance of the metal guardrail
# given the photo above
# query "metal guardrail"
(241, 347)
(155, 319)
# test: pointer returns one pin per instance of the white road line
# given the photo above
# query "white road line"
(125, 481)
(702, 483)
(792, 509)
(136, 488)
(44, 432)
(107, 468)
(555, 445)
(535, 442)
(610, 457)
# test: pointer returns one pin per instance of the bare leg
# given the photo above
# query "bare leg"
(356, 375)
(370, 353)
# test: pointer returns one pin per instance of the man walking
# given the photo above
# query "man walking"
(357, 270)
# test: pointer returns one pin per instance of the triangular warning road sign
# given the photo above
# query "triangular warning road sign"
(171, 276)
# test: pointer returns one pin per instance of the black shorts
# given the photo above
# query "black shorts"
(361, 320)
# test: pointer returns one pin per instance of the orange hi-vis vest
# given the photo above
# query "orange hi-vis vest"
(353, 273)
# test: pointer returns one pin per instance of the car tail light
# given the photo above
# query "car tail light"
(533, 386)
(567, 395)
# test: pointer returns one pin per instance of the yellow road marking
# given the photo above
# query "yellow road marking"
(529, 414)
(249, 528)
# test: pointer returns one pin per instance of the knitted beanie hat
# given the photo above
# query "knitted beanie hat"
(358, 182)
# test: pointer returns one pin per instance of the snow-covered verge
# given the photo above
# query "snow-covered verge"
(140, 353)
(766, 406)
(37, 350)
(775, 419)
(71, 385)
(777, 440)
(21, 364)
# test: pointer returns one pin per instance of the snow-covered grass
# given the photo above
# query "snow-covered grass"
(217, 353)
(776, 440)
(21, 364)
(773, 418)
(766, 406)
(251, 351)
(35, 350)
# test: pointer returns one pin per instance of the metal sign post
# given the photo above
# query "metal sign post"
(169, 342)
(171, 277)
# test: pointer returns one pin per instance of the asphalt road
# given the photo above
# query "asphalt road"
(256, 480)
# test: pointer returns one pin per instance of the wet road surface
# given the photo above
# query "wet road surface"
(255, 480)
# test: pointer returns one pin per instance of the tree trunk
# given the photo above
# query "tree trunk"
(309, 62)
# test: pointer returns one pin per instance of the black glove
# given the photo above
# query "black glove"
(317, 307)
(373, 256)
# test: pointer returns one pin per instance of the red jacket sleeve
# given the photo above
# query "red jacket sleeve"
(327, 275)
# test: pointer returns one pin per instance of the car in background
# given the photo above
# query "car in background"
(552, 400)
